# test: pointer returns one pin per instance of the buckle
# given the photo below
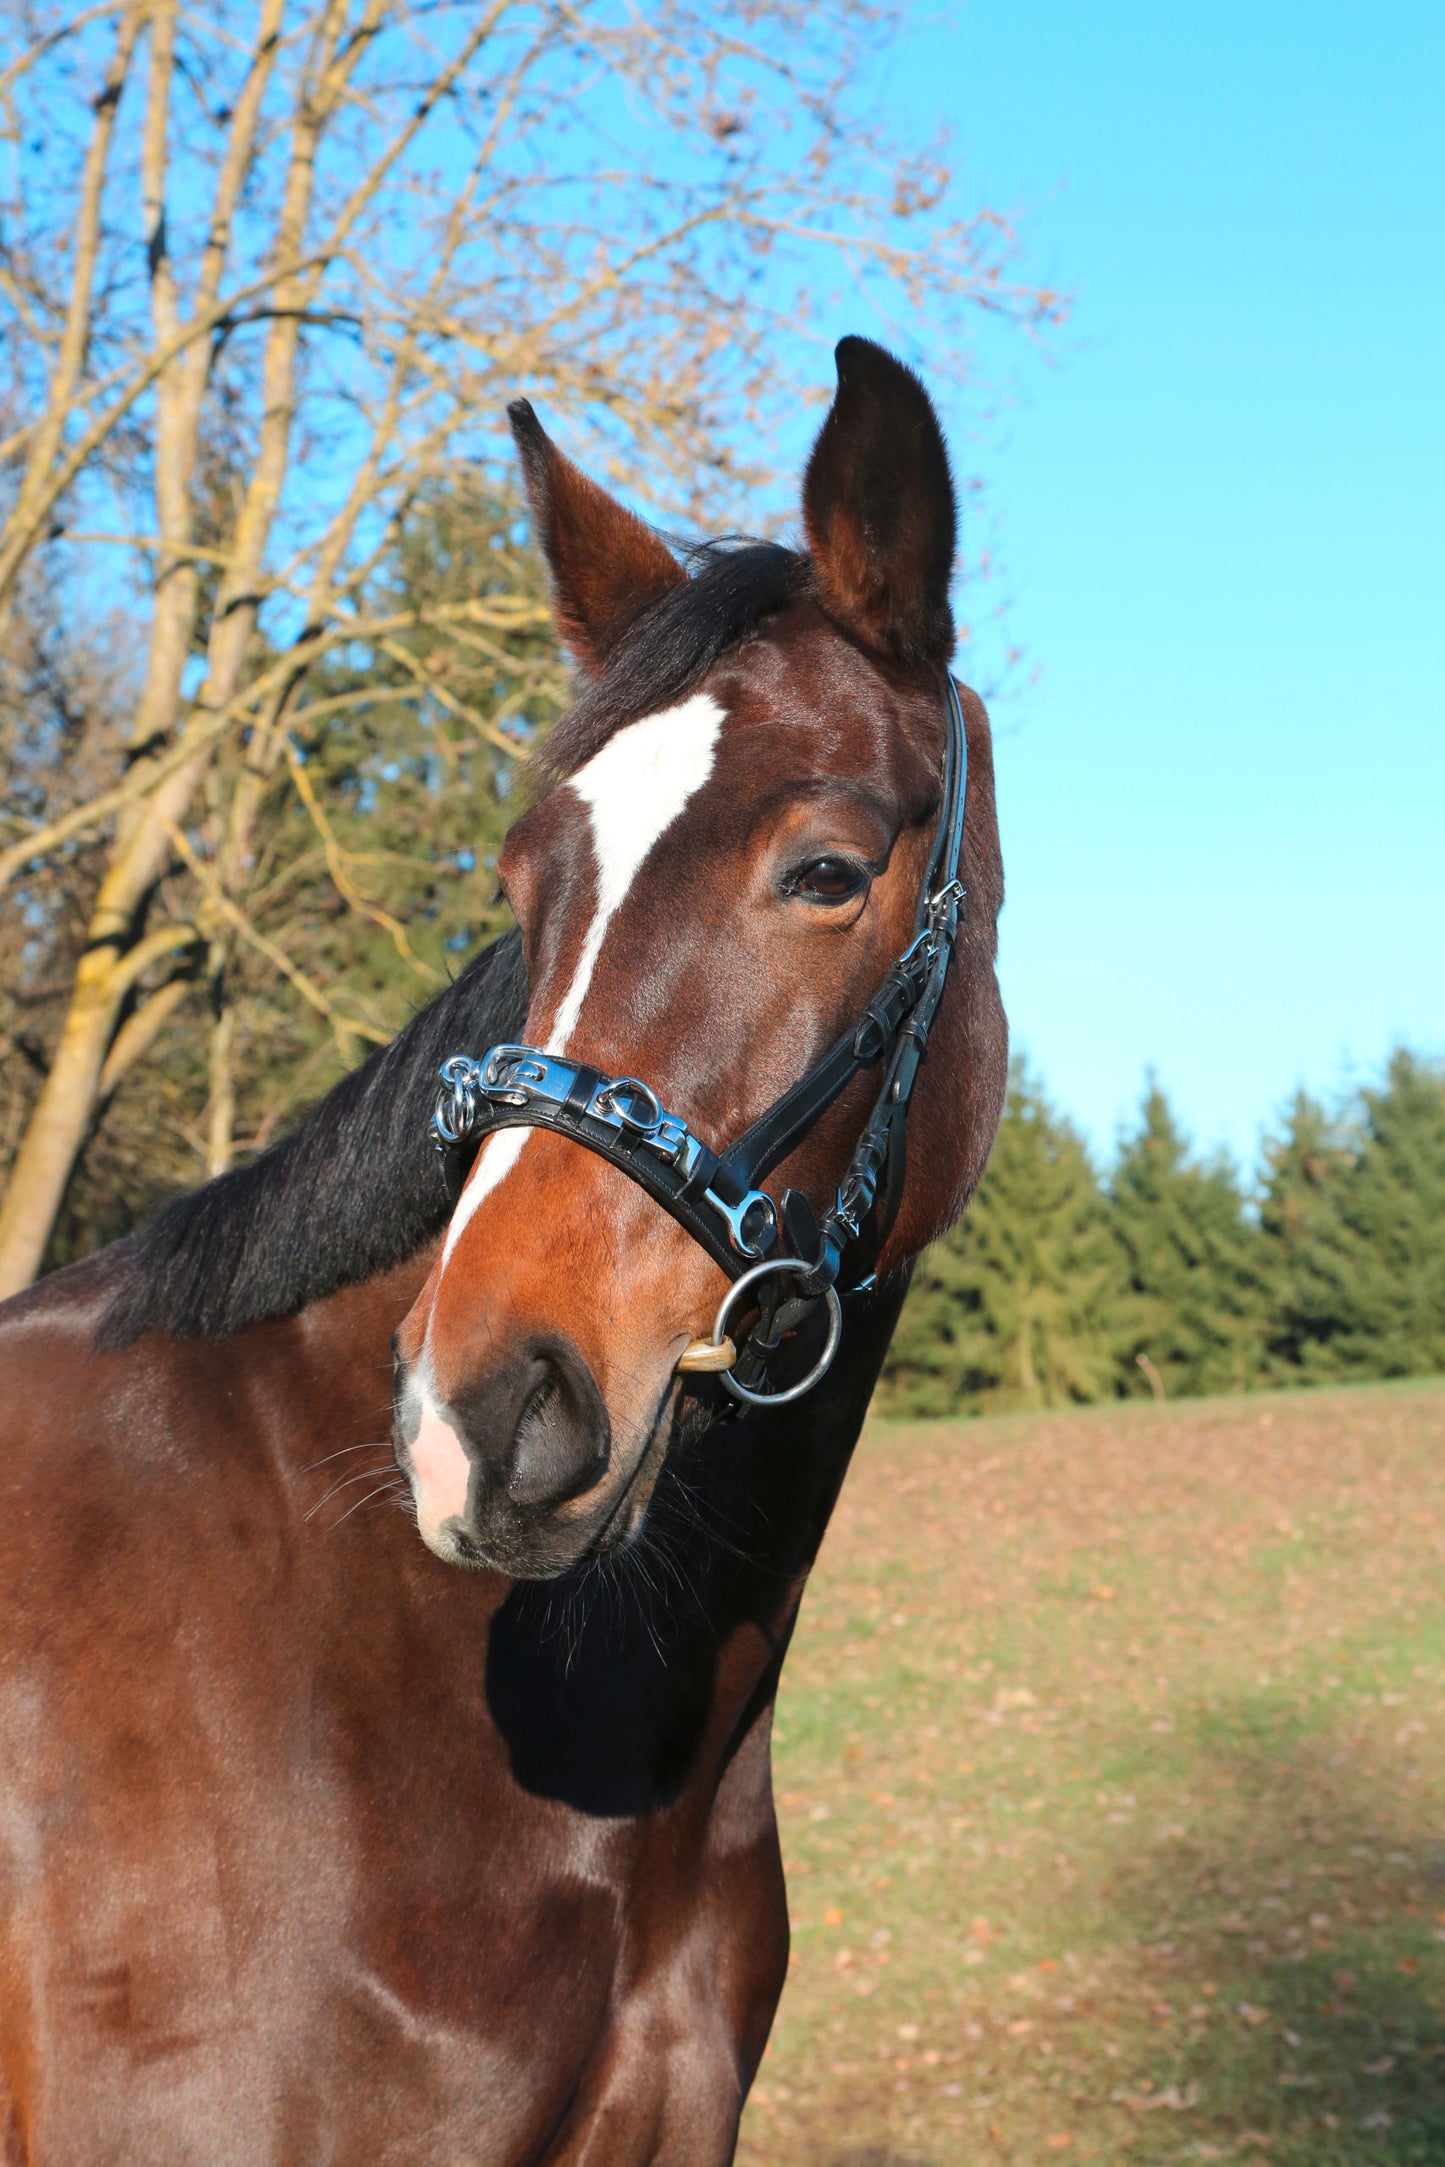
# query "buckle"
(752, 1224)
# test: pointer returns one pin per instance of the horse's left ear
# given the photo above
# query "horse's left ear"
(879, 508)
(606, 564)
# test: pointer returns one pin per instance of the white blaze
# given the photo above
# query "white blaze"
(633, 790)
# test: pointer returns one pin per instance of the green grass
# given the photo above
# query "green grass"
(1111, 1766)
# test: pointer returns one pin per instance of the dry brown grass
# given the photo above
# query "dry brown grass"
(1110, 1758)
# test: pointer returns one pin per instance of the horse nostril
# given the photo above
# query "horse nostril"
(562, 1439)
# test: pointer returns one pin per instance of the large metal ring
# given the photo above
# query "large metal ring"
(825, 1360)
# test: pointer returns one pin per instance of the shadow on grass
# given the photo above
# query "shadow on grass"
(1295, 1937)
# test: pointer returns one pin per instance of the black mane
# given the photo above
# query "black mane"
(353, 1191)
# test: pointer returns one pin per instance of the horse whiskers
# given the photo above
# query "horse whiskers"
(706, 1518)
(367, 1474)
(377, 1444)
(379, 1497)
(369, 1499)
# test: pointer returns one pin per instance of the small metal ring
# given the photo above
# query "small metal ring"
(634, 1088)
(455, 1113)
(820, 1367)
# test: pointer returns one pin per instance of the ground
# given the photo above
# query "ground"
(1111, 1764)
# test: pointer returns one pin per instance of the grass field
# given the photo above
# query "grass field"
(1111, 1761)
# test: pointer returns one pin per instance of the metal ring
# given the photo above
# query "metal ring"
(455, 1113)
(631, 1088)
(820, 1367)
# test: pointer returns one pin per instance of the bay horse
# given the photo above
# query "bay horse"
(313, 1847)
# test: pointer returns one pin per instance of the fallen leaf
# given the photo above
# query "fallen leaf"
(1176, 2101)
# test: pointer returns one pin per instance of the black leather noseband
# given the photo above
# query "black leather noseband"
(717, 1197)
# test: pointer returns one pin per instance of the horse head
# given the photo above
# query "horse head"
(727, 861)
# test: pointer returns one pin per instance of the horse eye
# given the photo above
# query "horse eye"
(829, 880)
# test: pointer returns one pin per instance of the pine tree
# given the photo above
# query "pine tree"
(1193, 1263)
(1019, 1305)
(1301, 1167)
(1364, 1294)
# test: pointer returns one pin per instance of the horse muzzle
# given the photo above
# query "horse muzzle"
(516, 1472)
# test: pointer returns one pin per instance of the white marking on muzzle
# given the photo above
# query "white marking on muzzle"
(441, 1472)
(633, 790)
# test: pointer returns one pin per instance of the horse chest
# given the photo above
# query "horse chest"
(396, 2005)
(314, 1917)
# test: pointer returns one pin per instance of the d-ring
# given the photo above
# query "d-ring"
(820, 1367)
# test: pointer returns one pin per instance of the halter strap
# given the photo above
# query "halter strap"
(717, 1197)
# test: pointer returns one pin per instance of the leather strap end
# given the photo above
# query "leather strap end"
(707, 1355)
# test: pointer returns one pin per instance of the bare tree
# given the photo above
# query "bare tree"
(267, 273)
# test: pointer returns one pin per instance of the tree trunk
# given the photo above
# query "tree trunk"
(56, 1131)
(57, 1127)
(221, 1114)
(1028, 1377)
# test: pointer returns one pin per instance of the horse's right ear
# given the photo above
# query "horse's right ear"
(879, 509)
(606, 564)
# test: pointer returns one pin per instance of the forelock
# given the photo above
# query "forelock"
(664, 654)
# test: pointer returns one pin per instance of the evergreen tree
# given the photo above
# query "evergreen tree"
(1301, 1167)
(1361, 1261)
(1019, 1306)
(1193, 1263)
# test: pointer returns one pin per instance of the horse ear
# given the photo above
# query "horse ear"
(879, 508)
(606, 564)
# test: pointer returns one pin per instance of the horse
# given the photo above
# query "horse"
(337, 1832)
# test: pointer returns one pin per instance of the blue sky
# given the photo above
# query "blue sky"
(1222, 510)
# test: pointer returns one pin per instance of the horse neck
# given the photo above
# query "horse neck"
(305, 1393)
